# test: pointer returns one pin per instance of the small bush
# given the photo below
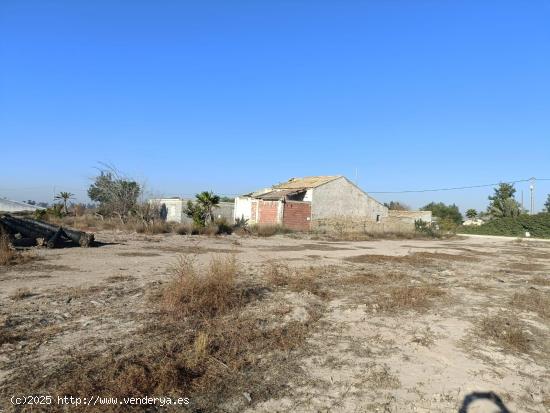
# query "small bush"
(241, 222)
(223, 227)
(40, 214)
(208, 294)
(426, 228)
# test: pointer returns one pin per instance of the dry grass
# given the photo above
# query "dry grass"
(424, 337)
(268, 230)
(199, 344)
(534, 301)
(364, 236)
(119, 278)
(296, 279)
(209, 294)
(372, 278)
(9, 337)
(415, 259)
(210, 364)
(8, 255)
(383, 378)
(540, 280)
(405, 298)
(157, 227)
(184, 229)
(525, 266)
(505, 330)
(277, 274)
(92, 223)
(21, 294)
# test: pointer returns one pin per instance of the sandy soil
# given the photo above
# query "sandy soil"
(363, 354)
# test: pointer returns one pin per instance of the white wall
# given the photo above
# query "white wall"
(174, 208)
(243, 207)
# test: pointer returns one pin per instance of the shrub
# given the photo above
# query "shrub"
(56, 211)
(448, 225)
(444, 212)
(241, 222)
(40, 214)
(207, 294)
(223, 227)
(507, 331)
(425, 228)
(537, 225)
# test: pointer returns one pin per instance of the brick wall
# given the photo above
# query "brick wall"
(268, 212)
(297, 215)
(254, 212)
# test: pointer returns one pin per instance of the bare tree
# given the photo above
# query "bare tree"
(117, 194)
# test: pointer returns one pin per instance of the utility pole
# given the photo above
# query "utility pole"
(532, 189)
(522, 207)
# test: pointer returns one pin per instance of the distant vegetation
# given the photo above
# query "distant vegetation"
(449, 216)
(116, 194)
(471, 213)
(202, 210)
(396, 206)
(503, 203)
(537, 225)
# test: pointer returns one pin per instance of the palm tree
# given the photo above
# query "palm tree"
(65, 196)
(507, 207)
(208, 201)
(471, 213)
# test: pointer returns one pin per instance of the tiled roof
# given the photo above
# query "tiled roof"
(306, 182)
(277, 194)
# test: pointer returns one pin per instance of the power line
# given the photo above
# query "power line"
(458, 187)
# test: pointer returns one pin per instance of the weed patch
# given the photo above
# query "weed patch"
(296, 279)
(209, 294)
(506, 330)
(533, 301)
(405, 298)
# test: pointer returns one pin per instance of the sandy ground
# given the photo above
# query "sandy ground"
(359, 357)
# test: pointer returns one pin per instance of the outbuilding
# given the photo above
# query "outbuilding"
(320, 202)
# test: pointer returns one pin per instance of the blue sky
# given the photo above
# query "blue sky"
(234, 95)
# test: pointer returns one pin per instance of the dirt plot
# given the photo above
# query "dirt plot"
(269, 324)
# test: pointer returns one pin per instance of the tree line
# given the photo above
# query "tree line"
(502, 204)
